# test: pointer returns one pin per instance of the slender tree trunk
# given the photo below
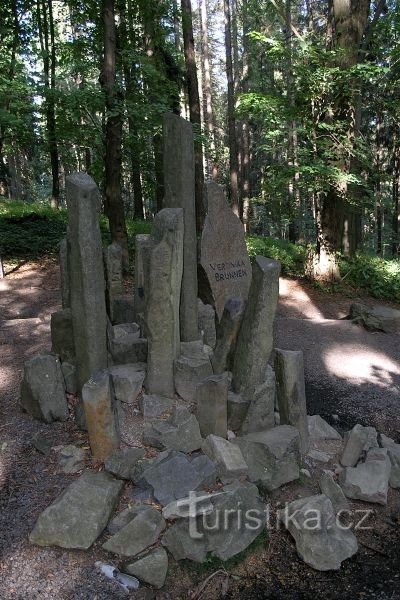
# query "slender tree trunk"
(395, 200)
(48, 50)
(208, 115)
(245, 162)
(233, 150)
(113, 203)
(194, 109)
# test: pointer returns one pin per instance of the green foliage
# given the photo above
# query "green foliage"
(33, 230)
(376, 276)
(291, 256)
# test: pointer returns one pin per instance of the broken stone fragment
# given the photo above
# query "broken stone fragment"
(377, 318)
(43, 389)
(320, 541)
(153, 406)
(319, 429)
(180, 432)
(140, 533)
(273, 456)
(360, 439)
(207, 323)
(368, 481)
(227, 456)
(151, 569)
(79, 515)
(122, 463)
(70, 378)
(237, 410)
(71, 459)
(125, 344)
(334, 492)
(128, 381)
(190, 369)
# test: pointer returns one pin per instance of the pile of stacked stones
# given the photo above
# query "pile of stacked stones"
(225, 423)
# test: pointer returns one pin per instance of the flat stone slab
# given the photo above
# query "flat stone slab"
(228, 457)
(151, 569)
(140, 533)
(368, 481)
(334, 492)
(122, 463)
(71, 459)
(272, 455)
(153, 406)
(79, 515)
(190, 369)
(320, 542)
(172, 476)
(393, 450)
(260, 415)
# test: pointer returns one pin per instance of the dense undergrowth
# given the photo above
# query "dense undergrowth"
(31, 231)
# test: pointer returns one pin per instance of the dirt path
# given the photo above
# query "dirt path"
(350, 373)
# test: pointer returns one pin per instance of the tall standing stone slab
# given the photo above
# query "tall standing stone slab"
(289, 369)
(227, 332)
(101, 418)
(142, 245)
(255, 339)
(113, 276)
(179, 193)
(64, 273)
(224, 255)
(88, 305)
(162, 307)
(212, 405)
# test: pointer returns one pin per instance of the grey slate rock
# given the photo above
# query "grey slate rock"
(70, 377)
(207, 323)
(64, 273)
(227, 457)
(122, 463)
(320, 542)
(206, 469)
(319, 429)
(237, 410)
(62, 335)
(190, 369)
(124, 517)
(181, 432)
(272, 456)
(140, 533)
(376, 318)
(181, 544)
(393, 451)
(255, 341)
(153, 406)
(289, 369)
(43, 389)
(123, 309)
(211, 398)
(358, 441)
(151, 569)
(368, 481)
(125, 344)
(79, 515)
(227, 331)
(260, 415)
(71, 459)
(334, 492)
(42, 445)
(128, 381)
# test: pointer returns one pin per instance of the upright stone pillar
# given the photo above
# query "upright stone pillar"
(113, 275)
(142, 244)
(64, 273)
(289, 369)
(179, 193)
(87, 287)
(255, 339)
(162, 306)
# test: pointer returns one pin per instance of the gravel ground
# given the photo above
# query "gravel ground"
(349, 372)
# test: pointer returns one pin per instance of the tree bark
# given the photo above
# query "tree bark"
(395, 200)
(208, 114)
(113, 203)
(194, 109)
(233, 150)
(245, 162)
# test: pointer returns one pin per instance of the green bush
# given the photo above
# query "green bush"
(291, 256)
(376, 276)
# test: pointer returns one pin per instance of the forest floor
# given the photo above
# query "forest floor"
(352, 376)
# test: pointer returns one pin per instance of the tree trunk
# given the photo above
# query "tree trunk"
(233, 151)
(245, 162)
(395, 200)
(208, 115)
(194, 109)
(113, 204)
